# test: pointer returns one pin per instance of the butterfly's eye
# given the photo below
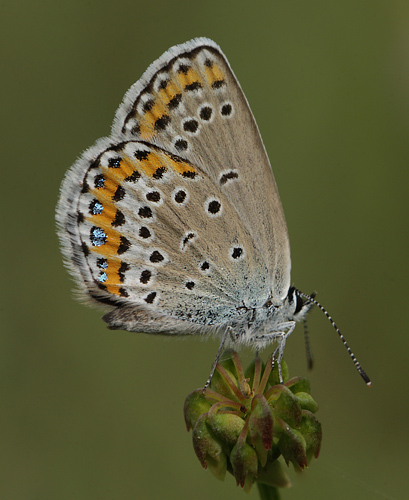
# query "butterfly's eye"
(293, 295)
(299, 303)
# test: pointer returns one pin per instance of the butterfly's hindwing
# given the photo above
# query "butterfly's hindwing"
(140, 244)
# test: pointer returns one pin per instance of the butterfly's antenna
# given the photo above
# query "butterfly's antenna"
(310, 359)
(355, 361)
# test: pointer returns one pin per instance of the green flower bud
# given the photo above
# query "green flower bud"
(208, 449)
(293, 447)
(285, 404)
(261, 427)
(298, 384)
(306, 402)
(243, 459)
(246, 420)
(195, 405)
(312, 432)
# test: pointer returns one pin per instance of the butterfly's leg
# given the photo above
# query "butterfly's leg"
(280, 336)
(227, 331)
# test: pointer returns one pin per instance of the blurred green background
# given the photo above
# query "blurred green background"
(91, 414)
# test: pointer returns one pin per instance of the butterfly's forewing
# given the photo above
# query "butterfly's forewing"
(177, 213)
(190, 103)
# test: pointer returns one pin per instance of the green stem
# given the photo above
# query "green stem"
(268, 492)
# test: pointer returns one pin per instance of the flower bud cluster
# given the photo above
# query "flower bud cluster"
(246, 420)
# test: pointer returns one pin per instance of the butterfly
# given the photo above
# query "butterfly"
(174, 221)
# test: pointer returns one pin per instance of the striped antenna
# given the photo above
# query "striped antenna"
(355, 361)
(310, 359)
(308, 352)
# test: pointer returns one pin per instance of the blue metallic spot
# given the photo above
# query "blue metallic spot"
(96, 207)
(99, 181)
(98, 236)
(102, 277)
(102, 263)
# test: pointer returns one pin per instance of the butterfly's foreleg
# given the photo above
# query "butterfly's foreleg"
(228, 331)
(280, 336)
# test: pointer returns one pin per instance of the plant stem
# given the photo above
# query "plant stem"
(268, 492)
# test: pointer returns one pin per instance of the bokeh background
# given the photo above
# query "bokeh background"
(88, 414)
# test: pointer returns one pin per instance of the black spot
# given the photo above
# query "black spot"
(95, 207)
(122, 270)
(188, 237)
(191, 174)
(101, 286)
(85, 187)
(217, 84)
(148, 105)
(206, 113)
(190, 285)
(119, 194)
(163, 84)
(180, 196)
(175, 101)
(204, 266)
(226, 110)
(214, 207)
(183, 68)
(156, 257)
(145, 276)
(119, 219)
(114, 162)
(141, 155)
(80, 218)
(99, 181)
(159, 173)
(133, 177)
(98, 236)
(237, 252)
(193, 86)
(102, 263)
(144, 232)
(85, 249)
(123, 292)
(191, 126)
(150, 298)
(153, 196)
(181, 145)
(123, 246)
(145, 212)
(208, 63)
(162, 122)
(227, 177)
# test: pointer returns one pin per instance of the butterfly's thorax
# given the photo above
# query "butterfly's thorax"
(251, 323)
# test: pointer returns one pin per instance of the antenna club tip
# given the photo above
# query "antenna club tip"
(369, 383)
